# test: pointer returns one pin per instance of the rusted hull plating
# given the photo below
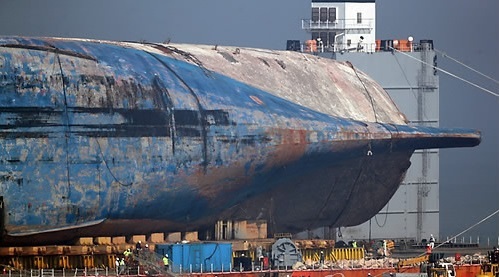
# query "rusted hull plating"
(111, 138)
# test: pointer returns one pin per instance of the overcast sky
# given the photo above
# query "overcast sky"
(467, 30)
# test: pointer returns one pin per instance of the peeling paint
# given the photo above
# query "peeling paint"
(113, 138)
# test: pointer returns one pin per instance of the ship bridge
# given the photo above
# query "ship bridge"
(342, 24)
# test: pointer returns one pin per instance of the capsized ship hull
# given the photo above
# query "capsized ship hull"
(114, 138)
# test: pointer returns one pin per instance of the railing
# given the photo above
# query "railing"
(77, 272)
(367, 265)
(339, 24)
(358, 47)
(140, 271)
(481, 241)
(112, 272)
(363, 47)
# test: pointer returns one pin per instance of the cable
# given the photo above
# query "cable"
(67, 132)
(391, 147)
(468, 67)
(324, 205)
(369, 145)
(353, 188)
(213, 253)
(409, 84)
(448, 73)
(109, 169)
(368, 94)
(469, 228)
(386, 217)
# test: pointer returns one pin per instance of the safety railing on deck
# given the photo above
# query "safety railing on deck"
(141, 271)
(312, 46)
(338, 24)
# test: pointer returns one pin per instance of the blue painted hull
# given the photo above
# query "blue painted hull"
(104, 138)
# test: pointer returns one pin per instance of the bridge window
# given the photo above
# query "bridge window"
(315, 14)
(332, 14)
(323, 14)
(359, 18)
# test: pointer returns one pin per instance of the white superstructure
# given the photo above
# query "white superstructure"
(343, 25)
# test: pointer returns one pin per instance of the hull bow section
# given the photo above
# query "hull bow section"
(112, 138)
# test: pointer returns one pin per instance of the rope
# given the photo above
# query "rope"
(369, 145)
(68, 128)
(368, 94)
(409, 84)
(352, 190)
(108, 168)
(448, 73)
(386, 217)
(469, 228)
(467, 66)
(324, 205)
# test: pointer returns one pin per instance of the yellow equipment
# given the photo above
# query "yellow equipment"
(430, 265)
(491, 268)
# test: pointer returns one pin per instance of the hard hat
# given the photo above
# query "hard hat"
(166, 255)
(140, 241)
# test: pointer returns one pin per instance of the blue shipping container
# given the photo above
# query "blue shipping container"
(197, 257)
